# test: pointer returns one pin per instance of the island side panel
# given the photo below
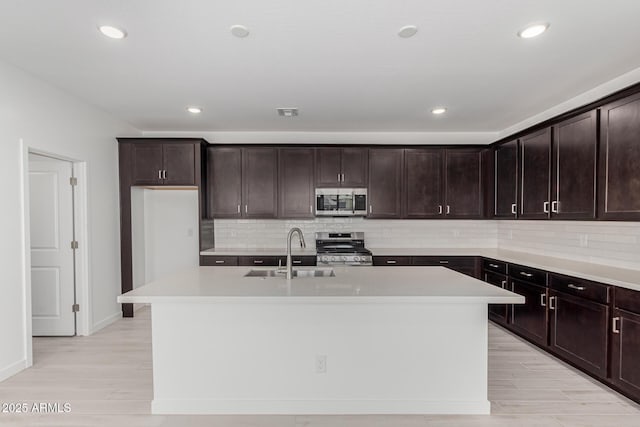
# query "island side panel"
(262, 358)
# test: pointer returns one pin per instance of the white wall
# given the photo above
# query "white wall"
(49, 120)
(170, 232)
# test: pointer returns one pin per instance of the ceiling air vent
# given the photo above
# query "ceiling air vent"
(287, 112)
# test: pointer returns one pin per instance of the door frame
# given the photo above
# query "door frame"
(83, 292)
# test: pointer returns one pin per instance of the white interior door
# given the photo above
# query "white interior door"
(52, 258)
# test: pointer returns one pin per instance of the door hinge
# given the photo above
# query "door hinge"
(73, 181)
(74, 244)
(75, 308)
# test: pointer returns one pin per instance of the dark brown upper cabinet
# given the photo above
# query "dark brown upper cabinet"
(224, 182)
(535, 165)
(463, 184)
(506, 180)
(573, 176)
(341, 167)
(242, 182)
(259, 182)
(619, 173)
(385, 182)
(163, 163)
(424, 186)
(296, 177)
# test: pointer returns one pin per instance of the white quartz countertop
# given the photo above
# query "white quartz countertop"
(295, 250)
(350, 285)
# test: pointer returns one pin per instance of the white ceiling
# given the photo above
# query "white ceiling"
(339, 61)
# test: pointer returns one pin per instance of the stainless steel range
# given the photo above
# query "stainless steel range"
(342, 249)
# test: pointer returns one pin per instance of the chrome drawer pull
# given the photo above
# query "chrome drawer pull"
(551, 301)
(513, 208)
(577, 288)
(444, 262)
(391, 261)
(526, 274)
(297, 261)
(504, 283)
(219, 261)
(494, 265)
(545, 207)
(613, 325)
(543, 300)
(258, 261)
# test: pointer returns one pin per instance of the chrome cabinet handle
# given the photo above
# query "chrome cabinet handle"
(246, 208)
(444, 262)
(554, 206)
(577, 288)
(297, 261)
(338, 177)
(219, 261)
(543, 300)
(545, 207)
(504, 283)
(370, 209)
(391, 261)
(258, 261)
(310, 208)
(448, 209)
(494, 265)
(513, 208)
(439, 209)
(526, 274)
(613, 325)
(159, 174)
(342, 177)
(164, 174)
(238, 208)
(551, 301)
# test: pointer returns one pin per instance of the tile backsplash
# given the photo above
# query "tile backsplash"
(600, 242)
(250, 234)
(610, 243)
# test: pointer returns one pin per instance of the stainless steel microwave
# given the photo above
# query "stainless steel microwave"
(341, 201)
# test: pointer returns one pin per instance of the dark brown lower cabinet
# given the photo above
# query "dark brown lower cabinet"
(462, 264)
(530, 319)
(625, 343)
(579, 331)
(498, 312)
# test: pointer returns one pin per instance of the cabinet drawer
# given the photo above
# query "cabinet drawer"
(260, 261)
(627, 299)
(301, 260)
(391, 260)
(221, 261)
(461, 264)
(493, 265)
(528, 274)
(580, 287)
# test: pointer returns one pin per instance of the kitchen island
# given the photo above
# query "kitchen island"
(409, 340)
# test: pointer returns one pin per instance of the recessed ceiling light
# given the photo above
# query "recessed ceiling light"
(438, 110)
(194, 110)
(239, 31)
(112, 32)
(533, 30)
(408, 31)
(287, 112)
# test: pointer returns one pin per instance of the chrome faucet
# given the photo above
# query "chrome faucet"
(289, 265)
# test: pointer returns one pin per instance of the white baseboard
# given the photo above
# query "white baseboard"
(12, 369)
(317, 407)
(105, 322)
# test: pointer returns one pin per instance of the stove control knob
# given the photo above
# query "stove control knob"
(356, 258)
(324, 258)
(333, 258)
(344, 258)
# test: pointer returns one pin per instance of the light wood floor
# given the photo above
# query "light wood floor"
(107, 380)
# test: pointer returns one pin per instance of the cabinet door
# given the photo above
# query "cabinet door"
(259, 182)
(423, 183)
(147, 164)
(574, 168)
(506, 180)
(463, 183)
(179, 164)
(328, 167)
(530, 319)
(625, 369)
(497, 312)
(296, 176)
(385, 180)
(354, 167)
(224, 182)
(619, 175)
(534, 175)
(579, 331)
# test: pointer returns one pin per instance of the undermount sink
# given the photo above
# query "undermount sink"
(320, 272)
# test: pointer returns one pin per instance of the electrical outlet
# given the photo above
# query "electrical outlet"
(321, 364)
